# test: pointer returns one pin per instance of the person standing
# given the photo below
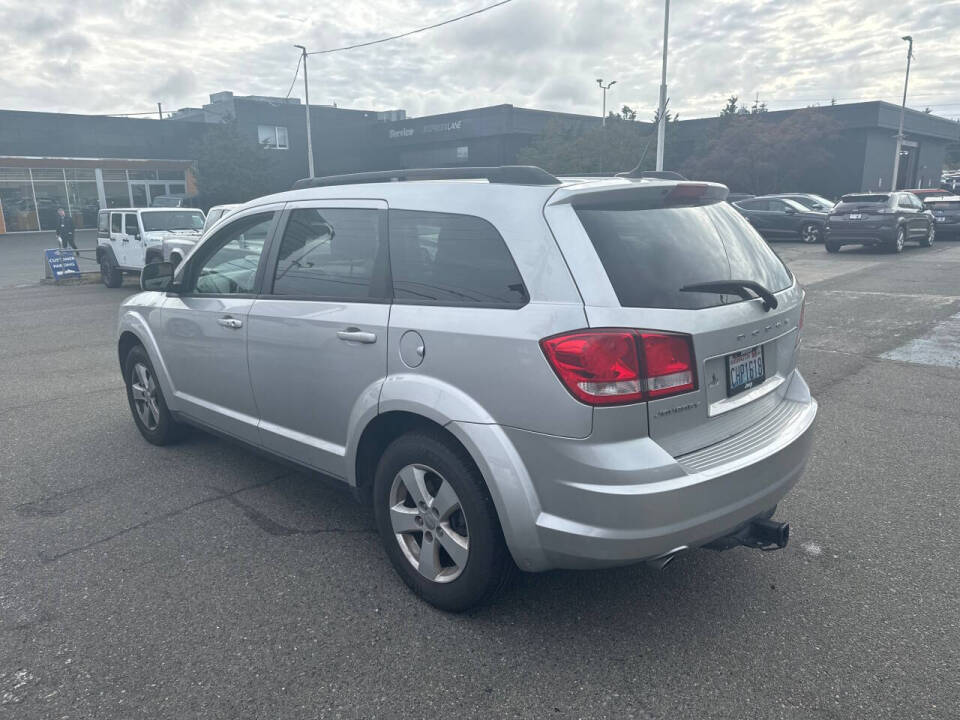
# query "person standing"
(65, 231)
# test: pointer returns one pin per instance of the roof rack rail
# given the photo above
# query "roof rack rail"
(506, 174)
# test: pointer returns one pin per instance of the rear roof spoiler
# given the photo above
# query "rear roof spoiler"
(643, 195)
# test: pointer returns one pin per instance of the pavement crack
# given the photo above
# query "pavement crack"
(46, 557)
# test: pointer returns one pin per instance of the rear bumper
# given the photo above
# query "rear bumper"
(860, 236)
(603, 504)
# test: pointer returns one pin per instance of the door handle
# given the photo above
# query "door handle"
(352, 334)
(232, 323)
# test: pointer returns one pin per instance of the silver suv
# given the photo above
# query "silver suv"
(516, 370)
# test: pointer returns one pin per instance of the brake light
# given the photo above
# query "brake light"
(686, 193)
(616, 367)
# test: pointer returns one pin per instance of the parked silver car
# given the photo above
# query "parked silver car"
(552, 373)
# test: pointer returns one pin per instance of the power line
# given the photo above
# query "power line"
(411, 32)
(295, 75)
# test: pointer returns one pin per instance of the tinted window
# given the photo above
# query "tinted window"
(943, 205)
(777, 206)
(130, 224)
(227, 264)
(753, 204)
(103, 223)
(650, 254)
(330, 253)
(443, 259)
(116, 222)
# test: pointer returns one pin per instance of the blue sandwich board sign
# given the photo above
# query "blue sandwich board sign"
(63, 263)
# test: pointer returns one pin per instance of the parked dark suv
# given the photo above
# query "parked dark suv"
(946, 213)
(887, 219)
(778, 218)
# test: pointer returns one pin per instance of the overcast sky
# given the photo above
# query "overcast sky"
(122, 56)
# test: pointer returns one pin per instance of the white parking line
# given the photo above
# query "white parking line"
(940, 347)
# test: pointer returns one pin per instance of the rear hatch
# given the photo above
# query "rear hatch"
(860, 212)
(944, 211)
(652, 242)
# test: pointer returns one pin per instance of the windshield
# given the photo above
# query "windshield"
(650, 254)
(183, 220)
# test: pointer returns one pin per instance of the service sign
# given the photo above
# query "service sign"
(62, 263)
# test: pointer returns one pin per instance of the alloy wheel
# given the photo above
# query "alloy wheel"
(429, 523)
(810, 234)
(144, 390)
(900, 238)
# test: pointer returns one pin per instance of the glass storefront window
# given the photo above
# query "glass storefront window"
(139, 192)
(84, 202)
(16, 199)
(51, 193)
(142, 174)
(175, 175)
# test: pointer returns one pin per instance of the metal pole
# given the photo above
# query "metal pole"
(160, 110)
(306, 93)
(604, 116)
(903, 107)
(662, 125)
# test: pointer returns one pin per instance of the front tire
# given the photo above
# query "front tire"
(147, 404)
(928, 240)
(811, 233)
(438, 523)
(833, 247)
(110, 274)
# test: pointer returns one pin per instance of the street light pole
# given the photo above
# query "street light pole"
(903, 107)
(662, 124)
(306, 93)
(606, 87)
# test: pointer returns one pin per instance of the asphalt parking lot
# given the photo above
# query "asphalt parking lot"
(205, 581)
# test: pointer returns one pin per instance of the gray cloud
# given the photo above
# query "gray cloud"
(125, 55)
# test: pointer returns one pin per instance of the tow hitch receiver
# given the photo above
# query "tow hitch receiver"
(760, 533)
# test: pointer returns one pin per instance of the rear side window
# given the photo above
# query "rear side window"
(332, 254)
(446, 259)
(116, 222)
(103, 223)
(650, 254)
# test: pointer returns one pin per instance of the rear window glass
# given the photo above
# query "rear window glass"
(650, 254)
(853, 202)
(445, 259)
(167, 220)
(941, 205)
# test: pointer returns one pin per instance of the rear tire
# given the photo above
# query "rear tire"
(832, 247)
(811, 233)
(897, 245)
(147, 404)
(110, 274)
(448, 507)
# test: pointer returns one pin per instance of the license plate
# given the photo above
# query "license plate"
(745, 370)
(855, 216)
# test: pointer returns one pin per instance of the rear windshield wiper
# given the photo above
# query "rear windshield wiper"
(736, 287)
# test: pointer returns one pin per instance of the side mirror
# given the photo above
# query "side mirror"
(156, 276)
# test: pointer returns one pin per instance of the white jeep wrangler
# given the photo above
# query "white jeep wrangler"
(129, 238)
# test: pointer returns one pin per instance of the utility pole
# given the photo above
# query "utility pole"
(903, 107)
(605, 88)
(160, 110)
(662, 124)
(306, 93)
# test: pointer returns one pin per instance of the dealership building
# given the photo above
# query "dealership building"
(83, 163)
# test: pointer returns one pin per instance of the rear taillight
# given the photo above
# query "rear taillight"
(616, 367)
